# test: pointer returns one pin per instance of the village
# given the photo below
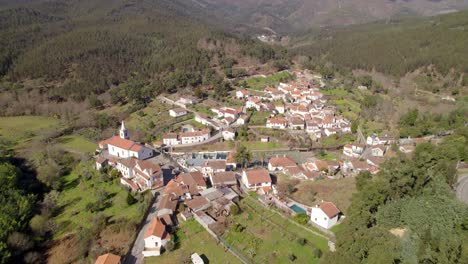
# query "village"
(207, 185)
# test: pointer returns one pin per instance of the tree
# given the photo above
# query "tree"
(235, 210)
(130, 199)
(354, 126)
(243, 156)
(39, 224)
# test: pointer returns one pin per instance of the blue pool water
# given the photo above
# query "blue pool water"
(297, 209)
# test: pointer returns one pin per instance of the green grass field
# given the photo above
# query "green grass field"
(20, 128)
(258, 83)
(75, 143)
(78, 193)
(194, 239)
(269, 238)
(259, 118)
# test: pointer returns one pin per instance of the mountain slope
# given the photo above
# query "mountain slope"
(285, 16)
(395, 48)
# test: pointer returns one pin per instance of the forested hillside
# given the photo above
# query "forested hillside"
(407, 213)
(73, 49)
(393, 48)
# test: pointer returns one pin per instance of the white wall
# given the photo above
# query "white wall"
(320, 218)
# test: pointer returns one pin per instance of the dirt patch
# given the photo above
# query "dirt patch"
(337, 191)
(399, 232)
(60, 251)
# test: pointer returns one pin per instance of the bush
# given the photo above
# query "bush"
(317, 253)
(292, 257)
(235, 210)
(301, 241)
(130, 199)
(169, 246)
(302, 218)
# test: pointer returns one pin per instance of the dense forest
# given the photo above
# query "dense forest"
(392, 47)
(407, 213)
(68, 54)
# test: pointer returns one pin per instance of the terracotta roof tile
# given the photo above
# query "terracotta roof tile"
(257, 176)
(329, 209)
(108, 259)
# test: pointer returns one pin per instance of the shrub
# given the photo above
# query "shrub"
(235, 210)
(317, 253)
(292, 257)
(130, 199)
(169, 245)
(302, 218)
(301, 241)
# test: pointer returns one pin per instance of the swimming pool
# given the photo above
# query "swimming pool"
(297, 209)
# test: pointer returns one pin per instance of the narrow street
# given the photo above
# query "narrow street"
(136, 254)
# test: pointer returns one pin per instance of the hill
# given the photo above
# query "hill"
(394, 48)
(285, 16)
(74, 49)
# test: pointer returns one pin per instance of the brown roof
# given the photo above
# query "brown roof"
(195, 133)
(215, 164)
(108, 259)
(223, 178)
(230, 157)
(129, 162)
(179, 110)
(256, 176)
(170, 135)
(121, 143)
(282, 162)
(198, 177)
(329, 209)
(282, 121)
(168, 201)
(156, 228)
(197, 202)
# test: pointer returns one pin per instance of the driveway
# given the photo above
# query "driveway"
(136, 254)
(462, 188)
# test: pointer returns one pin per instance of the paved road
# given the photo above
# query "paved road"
(136, 254)
(462, 188)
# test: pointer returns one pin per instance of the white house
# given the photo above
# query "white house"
(229, 134)
(378, 151)
(171, 139)
(120, 146)
(353, 150)
(256, 179)
(253, 103)
(156, 237)
(325, 214)
(379, 140)
(213, 166)
(194, 137)
(177, 112)
(188, 100)
(280, 108)
(139, 175)
(196, 259)
(280, 163)
(242, 94)
(407, 148)
(277, 123)
(243, 119)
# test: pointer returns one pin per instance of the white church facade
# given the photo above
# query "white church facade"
(122, 147)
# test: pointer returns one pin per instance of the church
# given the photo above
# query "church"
(122, 147)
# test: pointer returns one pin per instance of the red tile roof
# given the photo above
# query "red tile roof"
(195, 133)
(329, 209)
(156, 228)
(108, 259)
(121, 143)
(282, 162)
(215, 164)
(223, 178)
(257, 176)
